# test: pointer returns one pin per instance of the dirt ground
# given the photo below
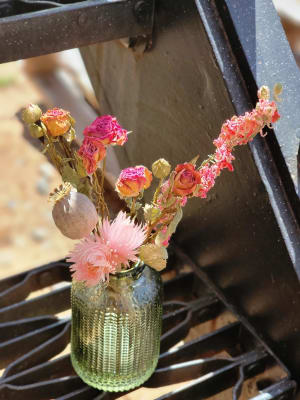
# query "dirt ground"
(28, 236)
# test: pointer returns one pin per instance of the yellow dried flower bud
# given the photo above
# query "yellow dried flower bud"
(35, 131)
(263, 93)
(161, 168)
(70, 135)
(31, 114)
(154, 256)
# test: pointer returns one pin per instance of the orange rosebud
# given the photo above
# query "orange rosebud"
(57, 121)
(133, 180)
(186, 179)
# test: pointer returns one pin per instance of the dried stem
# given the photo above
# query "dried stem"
(165, 212)
(100, 202)
(103, 173)
(157, 190)
(52, 153)
(67, 150)
(132, 210)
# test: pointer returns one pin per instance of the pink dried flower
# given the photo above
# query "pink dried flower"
(107, 130)
(208, 175)
(133, 180)
(186, 179)
(98, 256)
(241, 130)
(183, 201)
(236, 131)
(223, 158)
(91, 152)
(57, 121)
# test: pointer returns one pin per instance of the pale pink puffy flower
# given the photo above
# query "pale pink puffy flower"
(96, 257)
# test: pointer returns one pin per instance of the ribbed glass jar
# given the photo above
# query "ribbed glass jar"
(116, 328)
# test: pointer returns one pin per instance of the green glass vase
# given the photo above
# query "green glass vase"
(116, 328)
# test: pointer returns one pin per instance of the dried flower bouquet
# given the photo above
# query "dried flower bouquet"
(144, 230)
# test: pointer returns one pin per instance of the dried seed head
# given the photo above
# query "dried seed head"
(73, 213)
(60, 192)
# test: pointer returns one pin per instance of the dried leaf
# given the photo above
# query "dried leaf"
(153, 255)
(194, 160)
(81, 171)
(70, 175)
(175, 221)
(84, 187)
(277, 90)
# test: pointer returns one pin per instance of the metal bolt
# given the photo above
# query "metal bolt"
(142, 10)
(82, 19)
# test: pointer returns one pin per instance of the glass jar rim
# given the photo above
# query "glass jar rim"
(134, 271)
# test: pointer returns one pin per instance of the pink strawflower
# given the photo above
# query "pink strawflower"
(96, 257)
(107, 130)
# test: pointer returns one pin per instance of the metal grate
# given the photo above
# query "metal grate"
(32, 334)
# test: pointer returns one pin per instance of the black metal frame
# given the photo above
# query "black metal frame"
(32, 28)
(31, 334)
(273, 326)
